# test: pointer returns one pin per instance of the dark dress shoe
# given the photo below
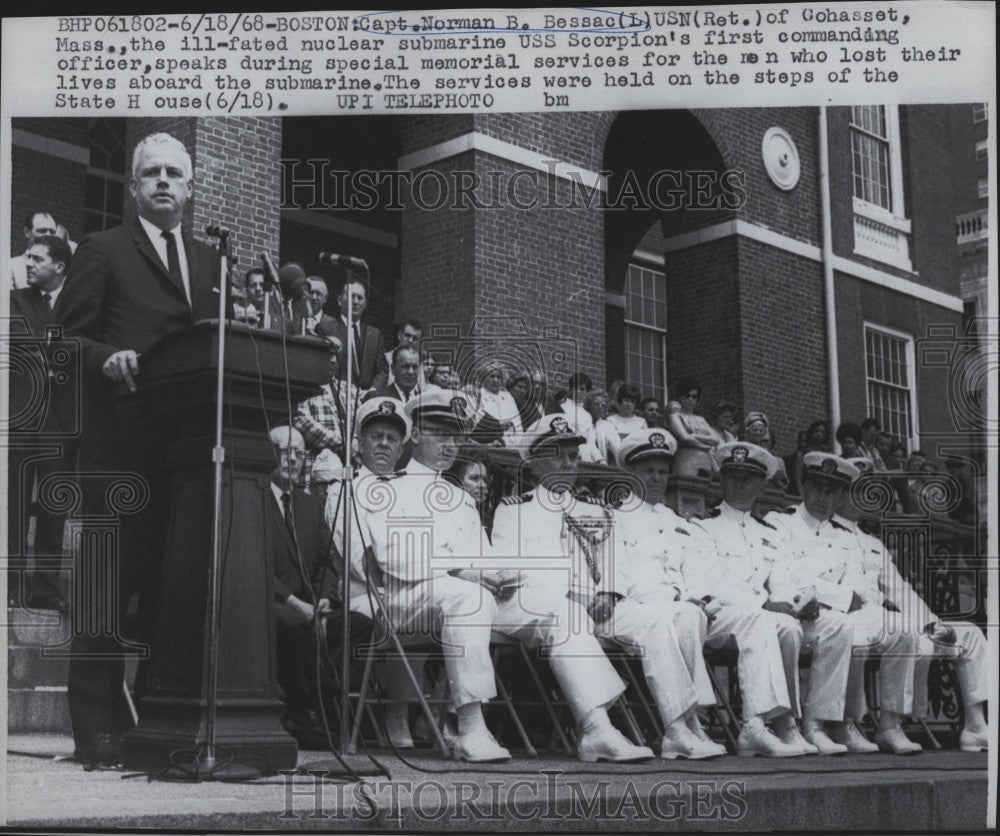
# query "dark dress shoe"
(104, 751)
(307, 728)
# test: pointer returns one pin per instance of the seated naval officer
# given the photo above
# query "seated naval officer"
(429, 542)
(558, 521)
(813, 553)
(381, 428)
(891, 601)
(736, 577)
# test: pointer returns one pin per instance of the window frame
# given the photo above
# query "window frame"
(637, 260)
(980, 112)
(909, 355)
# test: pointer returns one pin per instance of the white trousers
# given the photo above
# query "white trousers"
(461, 615)
(969, 657)
(768, 663)
(668, 658)
(881, 633)
(831, 637)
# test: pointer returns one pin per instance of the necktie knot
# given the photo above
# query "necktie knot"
(48, 300)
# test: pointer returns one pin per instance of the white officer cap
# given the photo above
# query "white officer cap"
(742, 455)
(554, 428)
(863, 464)
(382, 409)
(646, 443)
(440, 406)
(829, 468)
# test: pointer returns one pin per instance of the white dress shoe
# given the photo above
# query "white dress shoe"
(972, 742)
(850, 735)
(793, 737)
(611, 745)
(694, 724)
(397, 727)
(895, 742)
(757, 739)
(680, 742)
(815, 734)
(478, 747)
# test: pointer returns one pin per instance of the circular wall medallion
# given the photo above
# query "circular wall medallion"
(781, 159)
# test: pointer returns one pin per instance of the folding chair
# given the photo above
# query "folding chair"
(399, 645)
(940, 668)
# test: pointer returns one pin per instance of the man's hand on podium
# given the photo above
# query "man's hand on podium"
(122, 366)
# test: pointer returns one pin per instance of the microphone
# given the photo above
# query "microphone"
(270, 272)
(344, 261)
(293, 281)
(216, 231)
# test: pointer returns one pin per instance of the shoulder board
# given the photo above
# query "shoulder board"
(838, 526)
(765, 523)
(680, 530)
(590, 499)
(517, 500)
(789, 510)
(708, 515)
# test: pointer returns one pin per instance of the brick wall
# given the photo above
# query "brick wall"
(783, 339)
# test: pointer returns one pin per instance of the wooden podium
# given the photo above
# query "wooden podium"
(179, 385)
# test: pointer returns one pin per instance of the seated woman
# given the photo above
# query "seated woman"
(528, 399)
(626, 421)
(695, 437)
(470, 472)
(497, 417)
(757, 430)
(723, 420)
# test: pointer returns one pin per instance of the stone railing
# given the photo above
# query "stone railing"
(972, 226)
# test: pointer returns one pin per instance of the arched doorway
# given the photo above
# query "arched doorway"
(666, 178)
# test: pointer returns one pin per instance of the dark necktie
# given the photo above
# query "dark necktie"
(48, 301)
(286, 503)
(174, 260)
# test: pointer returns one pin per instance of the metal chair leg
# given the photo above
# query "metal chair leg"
(505, 697)
(546, 704)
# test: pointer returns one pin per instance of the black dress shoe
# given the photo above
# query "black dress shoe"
(307, 728)
(104, 751)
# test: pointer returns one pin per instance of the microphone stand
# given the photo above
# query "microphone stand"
(346, 763)
(208, 766)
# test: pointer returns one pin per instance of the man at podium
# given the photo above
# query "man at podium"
(128, 287)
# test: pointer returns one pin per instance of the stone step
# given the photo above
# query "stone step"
(27, 667)
(36, 710)
(32, 628)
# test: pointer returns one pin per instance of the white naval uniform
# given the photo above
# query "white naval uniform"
(652, 540)
(882, 584)
(430, 528)
(815, 553)
(747, 549)
(537, 527)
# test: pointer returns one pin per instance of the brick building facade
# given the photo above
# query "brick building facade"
(736, 289)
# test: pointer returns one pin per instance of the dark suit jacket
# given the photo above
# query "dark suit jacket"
(370, 370)
(390, 392)
(41, 400)
(314, 542)
(119, 295)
